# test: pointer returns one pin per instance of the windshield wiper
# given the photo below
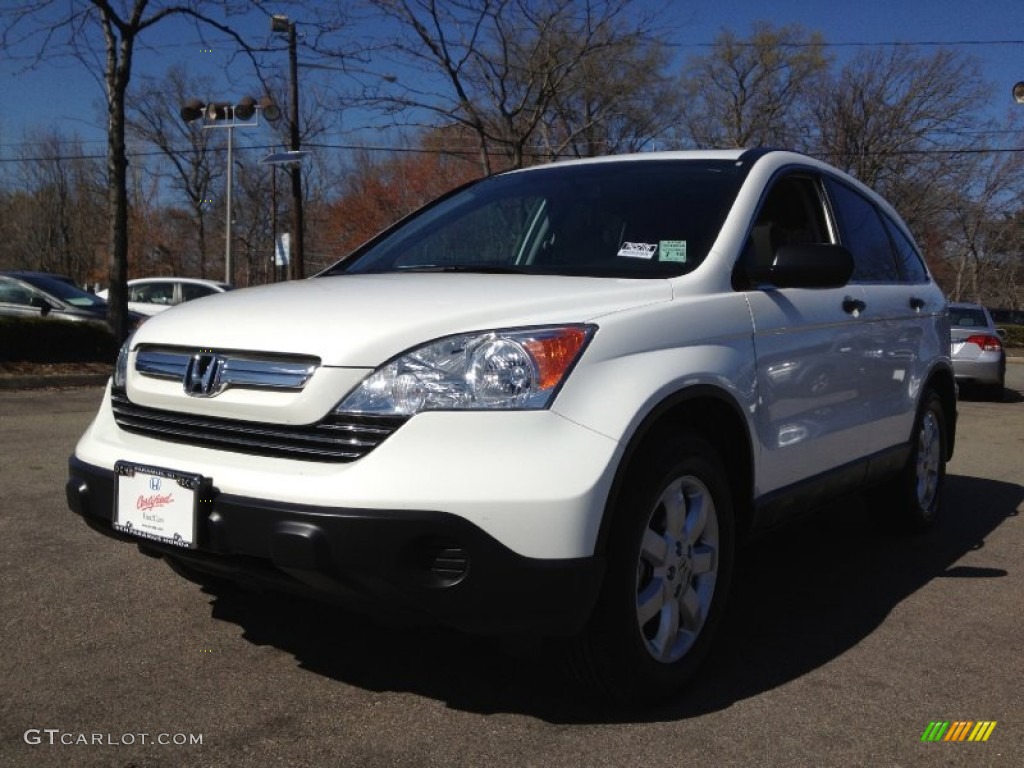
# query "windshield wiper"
(502, 269)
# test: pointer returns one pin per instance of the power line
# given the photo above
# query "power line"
(471, 150)
(854, 44)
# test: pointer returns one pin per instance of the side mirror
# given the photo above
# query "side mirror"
(1001, 332)
(809, 266)
(41, 304)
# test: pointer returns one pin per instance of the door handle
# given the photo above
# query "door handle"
(916, 303)
(852, 306)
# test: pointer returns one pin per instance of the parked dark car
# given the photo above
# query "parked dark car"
(42, 294)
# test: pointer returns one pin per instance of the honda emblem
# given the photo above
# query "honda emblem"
(203, 375)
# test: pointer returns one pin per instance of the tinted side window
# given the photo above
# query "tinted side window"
(910, 260)
(863, 233)
(191, 291)
(791, 214)
(12, 293)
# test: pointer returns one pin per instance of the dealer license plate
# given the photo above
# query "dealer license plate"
(157, 504)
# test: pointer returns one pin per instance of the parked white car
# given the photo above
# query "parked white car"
(553, 402)
(152, 295)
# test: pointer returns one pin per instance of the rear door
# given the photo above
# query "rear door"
(901, 320)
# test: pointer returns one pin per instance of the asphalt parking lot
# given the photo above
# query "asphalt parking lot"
(841, 647)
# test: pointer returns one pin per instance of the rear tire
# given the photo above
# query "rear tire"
(670, 562)
(912, 500)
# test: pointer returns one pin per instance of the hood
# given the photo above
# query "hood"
(363, 320)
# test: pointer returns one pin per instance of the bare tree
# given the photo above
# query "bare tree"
(888, 111)
(79, 28)
(502, 68)
(187, 150)
(52, 217)
(984, 211)
(620, 101)
(753, 91)
(908, 124)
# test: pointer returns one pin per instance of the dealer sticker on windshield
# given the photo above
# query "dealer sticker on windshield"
(638, 250)
(156, 504)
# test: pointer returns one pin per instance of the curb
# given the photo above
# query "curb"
(67, 381)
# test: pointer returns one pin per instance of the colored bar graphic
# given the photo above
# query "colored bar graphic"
(958, 730)
(982, 730)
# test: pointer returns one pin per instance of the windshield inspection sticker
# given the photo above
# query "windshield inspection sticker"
(638, 250)
(672, 250)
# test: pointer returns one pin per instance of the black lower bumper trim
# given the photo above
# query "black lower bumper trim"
(425, 562)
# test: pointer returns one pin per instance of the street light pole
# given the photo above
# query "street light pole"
(290, 160)
(227, 234)
(244, 114)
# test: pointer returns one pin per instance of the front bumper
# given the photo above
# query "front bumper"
(426, 563)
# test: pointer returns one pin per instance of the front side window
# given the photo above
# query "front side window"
(66, 292)
(152, 293)
(650, 218)
(792, 213)
(863, 233)
(13, 293)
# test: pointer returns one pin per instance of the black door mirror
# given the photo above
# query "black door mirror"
(809, 266)
(41, 304)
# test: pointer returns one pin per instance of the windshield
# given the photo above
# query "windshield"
(66, 292)
(647, 218)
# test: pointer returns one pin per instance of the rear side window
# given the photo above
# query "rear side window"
(864, 234)
(909, 259)
(191, 291)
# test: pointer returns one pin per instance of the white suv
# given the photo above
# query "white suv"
(553, 401)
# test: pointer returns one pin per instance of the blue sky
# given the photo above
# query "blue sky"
(63, 94)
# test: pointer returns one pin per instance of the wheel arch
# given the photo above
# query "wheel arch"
(709, 413)
(942, 381)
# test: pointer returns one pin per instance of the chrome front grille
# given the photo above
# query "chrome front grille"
(335, 438)
(234, 369)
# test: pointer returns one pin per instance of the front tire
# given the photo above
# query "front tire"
(670, 562)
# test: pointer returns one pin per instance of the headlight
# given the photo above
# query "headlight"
(121, 368)
(506, 369)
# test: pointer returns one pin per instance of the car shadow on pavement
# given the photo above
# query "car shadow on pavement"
(803, 596)
(976, 395)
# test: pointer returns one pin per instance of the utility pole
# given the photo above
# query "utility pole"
(297, 264)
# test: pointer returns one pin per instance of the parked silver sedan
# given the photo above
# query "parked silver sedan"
(977, 349)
